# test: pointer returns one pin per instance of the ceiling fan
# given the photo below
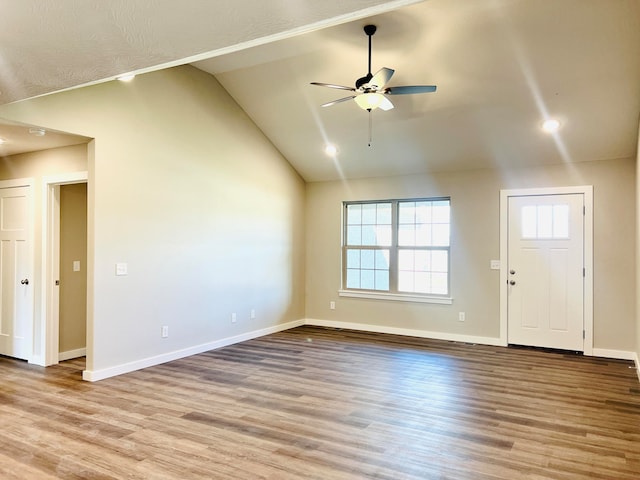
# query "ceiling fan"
(370, 91)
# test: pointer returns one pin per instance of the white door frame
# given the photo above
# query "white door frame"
(50, 318)
(587, 191)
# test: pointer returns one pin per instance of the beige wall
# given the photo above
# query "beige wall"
(36, 165)
(73, 283)
(45, 162)
(638, 256)
(186, 190)
(210, 219)
(475, 241)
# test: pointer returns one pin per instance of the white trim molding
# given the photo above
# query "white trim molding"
(452, 337)
(587, 191)
(637, 362)
(95, 375)
(398, 297)
(617, 354)
(49, 320)
(69, 354)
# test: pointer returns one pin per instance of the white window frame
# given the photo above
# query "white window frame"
(393, 294)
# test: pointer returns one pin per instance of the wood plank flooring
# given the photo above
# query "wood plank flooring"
(314, 403)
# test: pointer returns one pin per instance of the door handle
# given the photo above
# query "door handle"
(512, 272)
(25, 281)
(512, 282)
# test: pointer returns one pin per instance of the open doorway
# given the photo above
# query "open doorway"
(72, 291)
(66, 265)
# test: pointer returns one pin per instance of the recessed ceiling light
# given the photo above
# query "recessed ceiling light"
(2, 140)
(127, 78)
(38, 132)
(551, 125)
(330, 150)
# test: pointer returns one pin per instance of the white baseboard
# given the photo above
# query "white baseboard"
(69, 354)
(38, 360)
(597, 352)
(619, 354)
(95, 375)
(454, 337)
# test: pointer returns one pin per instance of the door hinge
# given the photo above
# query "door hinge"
(584, 210)
(584, 272)
(583, 335)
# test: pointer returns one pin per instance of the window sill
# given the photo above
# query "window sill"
(398, 297)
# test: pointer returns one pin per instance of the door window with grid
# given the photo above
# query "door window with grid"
(397, 246)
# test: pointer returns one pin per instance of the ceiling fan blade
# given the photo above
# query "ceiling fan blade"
(381, 78)
(340, 100)
(331, 85)
(386, 104)
(410, 89)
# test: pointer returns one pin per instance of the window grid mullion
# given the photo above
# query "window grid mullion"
(393, 252)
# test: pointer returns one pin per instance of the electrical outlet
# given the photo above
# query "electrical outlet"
(253, 314)
(332, 305)
(461, 316)
(234, 318)
(165, 331)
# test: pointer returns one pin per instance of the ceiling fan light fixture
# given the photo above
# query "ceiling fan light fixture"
(369, 101)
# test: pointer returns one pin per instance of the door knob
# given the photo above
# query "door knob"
(512, 272)
(25, 281)
(512, 282)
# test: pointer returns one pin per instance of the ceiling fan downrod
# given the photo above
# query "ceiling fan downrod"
(369, 30)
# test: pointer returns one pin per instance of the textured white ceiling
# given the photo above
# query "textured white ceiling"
(21, 138)
(501, 66)
(47, 46)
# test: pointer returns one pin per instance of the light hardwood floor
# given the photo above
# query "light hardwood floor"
(313, 403)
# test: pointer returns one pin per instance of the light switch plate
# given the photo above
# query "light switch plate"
(495, 265)
(76, 265)
(121, 269)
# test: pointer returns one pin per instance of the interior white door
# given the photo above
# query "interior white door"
(16, 297)
(545, 277)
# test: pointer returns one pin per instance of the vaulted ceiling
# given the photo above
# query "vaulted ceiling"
(501, 67)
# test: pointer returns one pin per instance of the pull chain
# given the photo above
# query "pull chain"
(370, 127)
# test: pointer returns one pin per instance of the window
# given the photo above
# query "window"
(545, 221)
(397, 247)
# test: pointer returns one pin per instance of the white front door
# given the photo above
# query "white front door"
(16, 287)
(545, 271)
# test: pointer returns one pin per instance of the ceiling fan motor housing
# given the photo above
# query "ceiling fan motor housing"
(363, 80)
